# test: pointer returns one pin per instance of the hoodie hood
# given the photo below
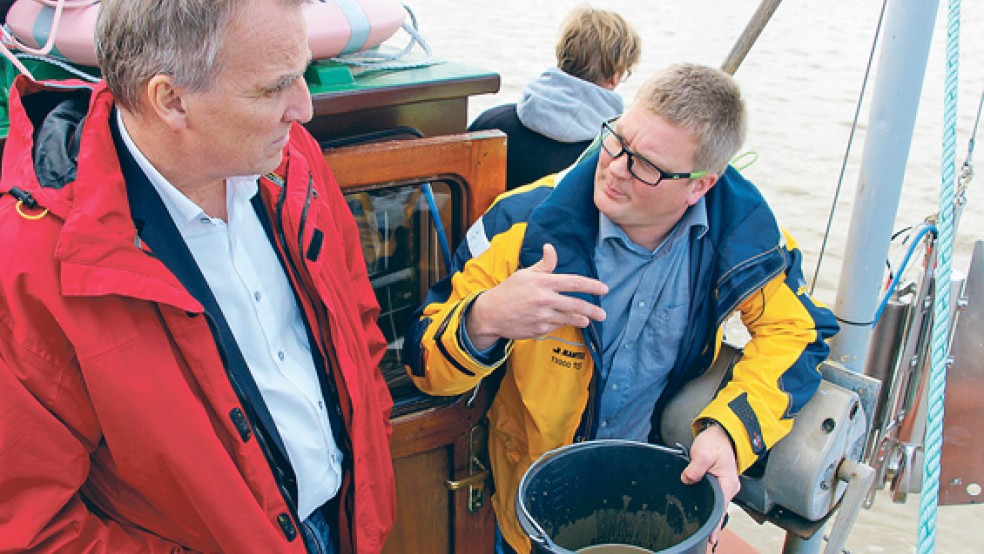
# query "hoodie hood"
(565, 108)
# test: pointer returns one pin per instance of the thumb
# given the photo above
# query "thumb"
(548, 262)
(692, 473)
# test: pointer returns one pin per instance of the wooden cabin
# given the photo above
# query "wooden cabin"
(388, 136)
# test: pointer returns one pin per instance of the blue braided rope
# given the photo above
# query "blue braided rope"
(929, 498)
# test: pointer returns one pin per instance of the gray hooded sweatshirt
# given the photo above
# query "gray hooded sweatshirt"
(565, 108)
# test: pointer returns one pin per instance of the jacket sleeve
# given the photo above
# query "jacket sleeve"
(778, 372)
(43, 464)
(368, 308)
(364, 297)
(437, 359)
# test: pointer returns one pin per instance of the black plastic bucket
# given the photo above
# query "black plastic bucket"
(615, 492)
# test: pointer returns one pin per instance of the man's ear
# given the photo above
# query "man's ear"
(701, 186)
(612, 84)
(166, 101)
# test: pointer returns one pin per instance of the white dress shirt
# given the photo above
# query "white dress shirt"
(249, 284)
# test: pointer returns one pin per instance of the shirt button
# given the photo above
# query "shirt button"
(614, 387)
(321, 404)
(204, 219)
(604, 424)
(642, 304)
(281, 355)
(257, 296)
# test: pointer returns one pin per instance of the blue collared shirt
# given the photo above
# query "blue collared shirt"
(647, 307)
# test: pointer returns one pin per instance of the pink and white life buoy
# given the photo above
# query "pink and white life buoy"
(346, 26)
(64, 28)
(59, 28)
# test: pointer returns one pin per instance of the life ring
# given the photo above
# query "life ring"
(335, 27)
(338, 27)
(30, 22)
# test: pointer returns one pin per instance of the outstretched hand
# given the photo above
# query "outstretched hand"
(531, 302)
(712, 453)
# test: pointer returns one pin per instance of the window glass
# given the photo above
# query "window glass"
(398, 227)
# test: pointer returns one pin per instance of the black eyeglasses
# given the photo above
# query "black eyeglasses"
(645, 170)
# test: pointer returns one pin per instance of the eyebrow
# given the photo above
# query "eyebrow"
(289, 78)
(635, 152)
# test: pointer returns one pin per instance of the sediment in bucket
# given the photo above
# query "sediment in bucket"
(615, 492)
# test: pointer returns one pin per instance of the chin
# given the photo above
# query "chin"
(270, 165)
(606, 205)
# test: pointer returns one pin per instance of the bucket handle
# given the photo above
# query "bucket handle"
(683, 451)
(541, 538)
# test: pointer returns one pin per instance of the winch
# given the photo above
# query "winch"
(814, 469)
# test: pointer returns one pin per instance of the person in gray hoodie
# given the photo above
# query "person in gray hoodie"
(562, 110)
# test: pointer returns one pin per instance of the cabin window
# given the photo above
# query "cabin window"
(404, 256)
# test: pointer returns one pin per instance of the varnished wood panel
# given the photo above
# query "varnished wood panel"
(478, 159)
(430, 446)
(419, 489)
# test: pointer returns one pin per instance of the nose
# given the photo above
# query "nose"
(619, 166)
(299, 107)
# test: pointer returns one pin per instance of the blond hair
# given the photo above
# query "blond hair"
(597, 45)
(705, 100)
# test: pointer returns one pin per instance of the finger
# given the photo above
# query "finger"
(694, 472)
(716, 534)
(579, 312)
(566, 282)
(549, 260)
(730, 485)
(564, 320)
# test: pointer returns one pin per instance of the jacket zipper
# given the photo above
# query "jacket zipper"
(587, 418)
(292, 267)
(261, 437)
(309, 530)
(749, 290)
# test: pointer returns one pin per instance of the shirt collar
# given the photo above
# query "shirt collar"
(694, 218)
(181, 208)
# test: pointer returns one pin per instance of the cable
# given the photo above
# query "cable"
(898, 274)
(850, 142)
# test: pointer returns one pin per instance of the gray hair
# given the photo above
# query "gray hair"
(705, 100)
(137, 39)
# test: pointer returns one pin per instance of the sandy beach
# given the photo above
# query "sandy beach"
(802, 81)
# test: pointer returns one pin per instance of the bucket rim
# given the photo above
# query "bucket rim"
(539, 537)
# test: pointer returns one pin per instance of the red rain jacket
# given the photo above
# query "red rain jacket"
(120, 430)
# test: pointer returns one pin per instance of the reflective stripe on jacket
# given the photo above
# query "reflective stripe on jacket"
(546, 397)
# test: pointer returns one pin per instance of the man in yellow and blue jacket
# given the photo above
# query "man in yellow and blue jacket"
(594, 295)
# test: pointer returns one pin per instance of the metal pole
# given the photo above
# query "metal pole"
(901, 67)
(748, 37)
(902, 60)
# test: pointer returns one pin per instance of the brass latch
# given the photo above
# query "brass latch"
(478, 474)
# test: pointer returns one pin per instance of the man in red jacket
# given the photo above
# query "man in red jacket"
(188, 339)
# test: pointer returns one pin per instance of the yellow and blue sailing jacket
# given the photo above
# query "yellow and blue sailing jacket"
(547, 395)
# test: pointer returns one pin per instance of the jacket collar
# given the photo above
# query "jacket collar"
(568, 219)
(97, 246)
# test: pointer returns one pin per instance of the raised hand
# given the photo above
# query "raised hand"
(531, 303)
